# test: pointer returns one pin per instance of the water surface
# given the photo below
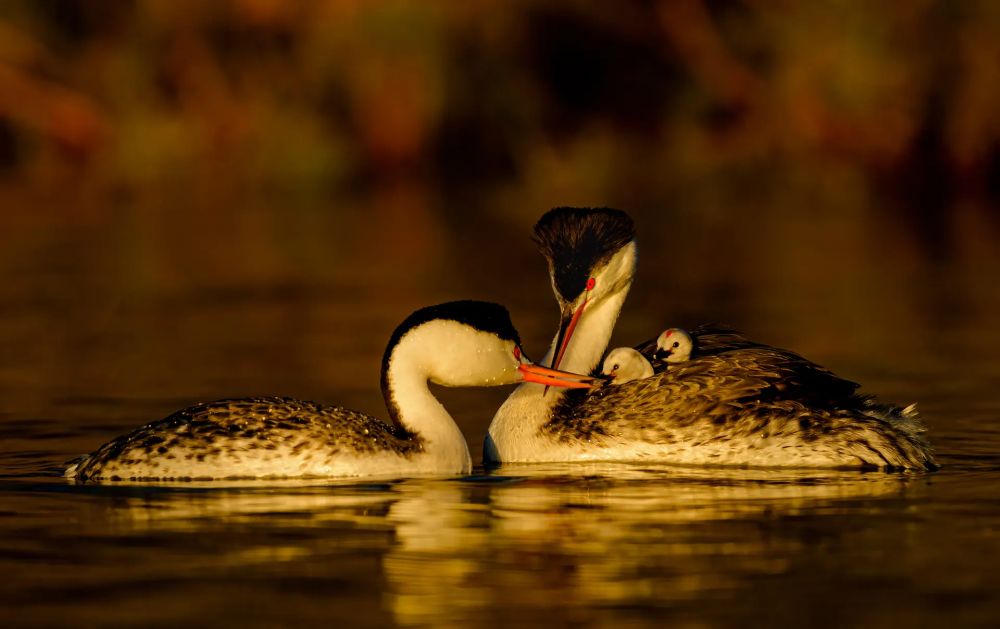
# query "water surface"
(123, 318)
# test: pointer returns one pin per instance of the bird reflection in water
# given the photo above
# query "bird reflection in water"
(584, 535)
(565, 536)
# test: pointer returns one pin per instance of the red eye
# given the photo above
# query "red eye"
(517, 353)
(590, 284)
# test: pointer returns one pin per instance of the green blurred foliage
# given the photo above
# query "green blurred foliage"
(317, 96)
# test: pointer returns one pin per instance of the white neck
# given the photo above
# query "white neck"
(418, 411)
(518, 420)
(591, 336)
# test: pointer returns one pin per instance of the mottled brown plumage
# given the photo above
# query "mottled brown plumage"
(785, 373)
(734, 402)
(747, 396)
(224, 434)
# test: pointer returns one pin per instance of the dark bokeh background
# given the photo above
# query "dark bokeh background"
(216, 198)
(640, 102)
(213, 198)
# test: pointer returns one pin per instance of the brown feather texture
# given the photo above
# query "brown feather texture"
(229, 434)
(740, 401)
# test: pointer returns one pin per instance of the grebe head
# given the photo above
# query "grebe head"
(591, 253)
(625, 364)
(674, 346)
(468, 344)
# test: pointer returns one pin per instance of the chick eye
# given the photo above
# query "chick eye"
(591, 283)
(614, 368)
(517, 353)
(676, 344)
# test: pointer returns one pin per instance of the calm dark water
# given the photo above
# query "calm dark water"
(112, 318)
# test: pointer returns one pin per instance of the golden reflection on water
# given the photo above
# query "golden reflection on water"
(602, 535)
(574, 535)
(186, 510)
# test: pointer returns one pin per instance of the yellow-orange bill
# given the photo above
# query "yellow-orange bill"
(554, 377)
(561, 374)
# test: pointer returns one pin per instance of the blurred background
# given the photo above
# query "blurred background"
(204, 199)
(208, 199)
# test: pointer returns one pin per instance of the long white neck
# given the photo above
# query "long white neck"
(518, 420)
(412, 405)
(591, 336)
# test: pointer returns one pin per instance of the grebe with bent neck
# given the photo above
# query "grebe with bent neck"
(457, 344)
(736, 402)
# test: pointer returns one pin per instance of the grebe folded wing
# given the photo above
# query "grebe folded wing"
(782, 373)
(754, 405)
(247, 437)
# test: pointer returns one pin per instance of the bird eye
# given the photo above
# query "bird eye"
(615, 368)
(517, 353)
(676, 344)
(591, 283)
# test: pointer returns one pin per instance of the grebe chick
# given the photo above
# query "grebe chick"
(457, 344)
(624, 364)
(674, 346)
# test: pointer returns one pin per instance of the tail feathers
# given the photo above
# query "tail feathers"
(905, 441)
(907, 452)
(73, 465)
(901, 443)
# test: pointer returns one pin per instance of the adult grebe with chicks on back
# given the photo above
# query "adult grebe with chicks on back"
(734, 402)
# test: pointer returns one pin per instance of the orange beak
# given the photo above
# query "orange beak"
(553, 377)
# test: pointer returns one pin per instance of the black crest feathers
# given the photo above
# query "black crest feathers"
(575, 240)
